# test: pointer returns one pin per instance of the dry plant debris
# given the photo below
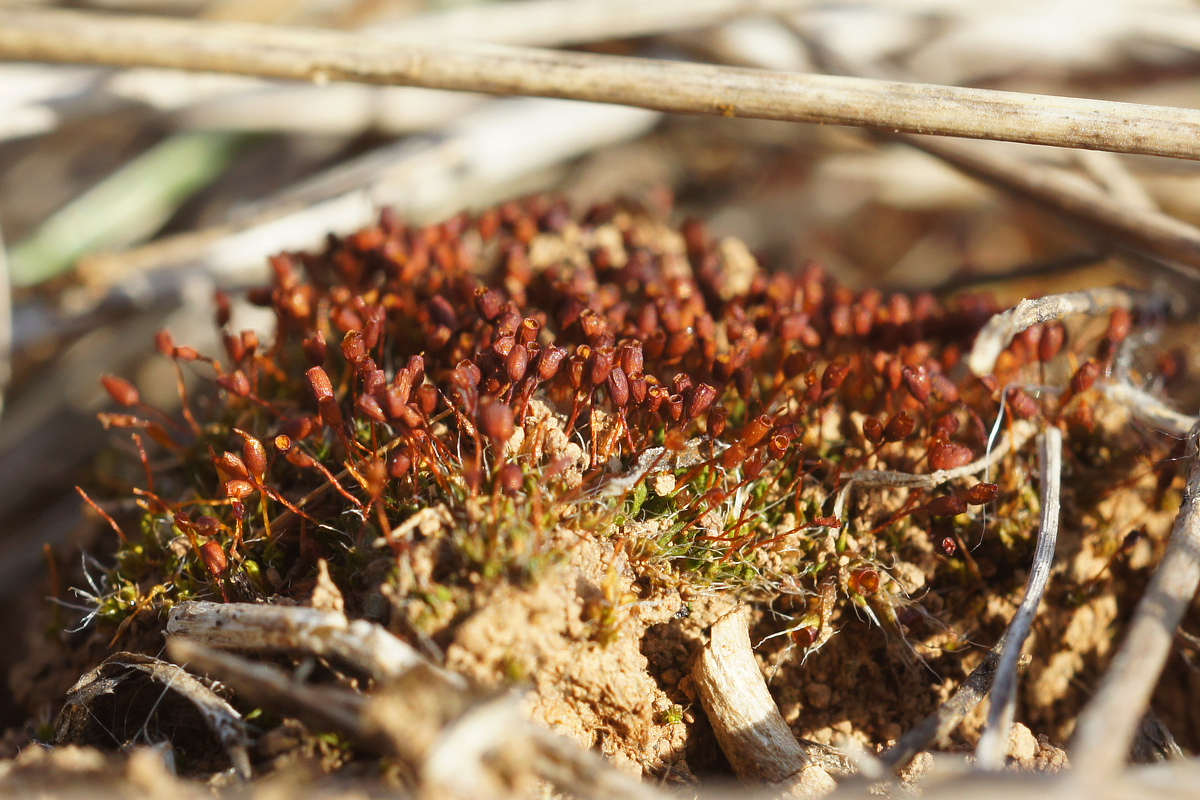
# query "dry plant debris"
(551, 451)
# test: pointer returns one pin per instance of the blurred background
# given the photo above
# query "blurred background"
(128, 196)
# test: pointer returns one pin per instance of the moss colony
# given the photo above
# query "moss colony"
(554, 450)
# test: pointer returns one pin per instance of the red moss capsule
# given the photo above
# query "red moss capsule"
(675, 407)
(715, 424)
(206, 525)
(753, 466)
(236, 383)
(488, 303)
(399, 464)
(618, 387)
(427, 399)
(1085, 377)
(369, 406)
(872, 430)
(164, 343)
(637, 387)
(981, 493)
(734, 455)
(599, 364)
(777, 446)
(528, 331)
(416, 368)
(512, 480)
(918, 383)
(631, 358)
(442, 312)
(1053, 339)
(655, 397)
(834, 375)
(121, 390)
(755, 430)
(496, 420)
(282, 443)
(549, 361)
(1022, 404)
(863, 581)
(214, 558)
(949, 505)
(591, 323)
(319, 383)
(945, 426)
(948, 455)
(944, 389)
(250, 342)
(231, 465)
(234, 347)
(238, 489)
(899, 427)
(678, 344)
(186, 353)
(255, 456)
(353, 347)
(315, 348)
(1120, 323)
(517, 363)
(699, 400)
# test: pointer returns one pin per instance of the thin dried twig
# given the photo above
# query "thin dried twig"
(993, 745)
(246, 626)
(78, 716)
(1001, 328)
(1108, 724)
(948, 715)
(313, 55)
(752, 734)
(1014, 439)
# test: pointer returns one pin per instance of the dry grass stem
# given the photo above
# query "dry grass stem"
(78, 716)
(752, 734)
(993, 745)
(1108, 724)
(948, 715)
(316, 55)
(1011, 440)
(1001, 328)
(1149, 409)
(260, 628)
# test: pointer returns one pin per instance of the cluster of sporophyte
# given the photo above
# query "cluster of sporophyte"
(462, 394)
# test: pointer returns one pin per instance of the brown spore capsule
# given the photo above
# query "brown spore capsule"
(319, 383)
(918, 382)
(949, 505)
(517, 363)
(599, 364)
(1053, 338)
(872, 430)
(496, 421)
(899, 427)
(981, 493)
(949, 455)
(315, 348)
(715, 424)
(121, 390)
(618, 387)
